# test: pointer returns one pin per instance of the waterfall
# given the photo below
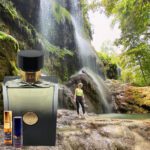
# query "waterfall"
(45, 17)
(87, 54)
(85, 50)
(102, 90)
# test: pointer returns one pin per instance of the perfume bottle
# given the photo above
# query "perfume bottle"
(8, 127)
(17, 132)
(34, 98)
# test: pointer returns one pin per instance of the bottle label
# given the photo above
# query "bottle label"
(7, 136)
(17, 141)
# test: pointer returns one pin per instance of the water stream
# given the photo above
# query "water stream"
(104, 95)
(45, 17)
(86, 52)
(87, 55)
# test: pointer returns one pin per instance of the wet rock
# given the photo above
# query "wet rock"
(128, 98)
(66, 98)
(97, 133)
(97, 96)
(29, 9)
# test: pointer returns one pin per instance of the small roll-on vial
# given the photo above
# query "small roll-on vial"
(8, 127)
(17, 132)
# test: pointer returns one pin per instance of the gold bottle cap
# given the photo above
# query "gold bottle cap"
(7, 116)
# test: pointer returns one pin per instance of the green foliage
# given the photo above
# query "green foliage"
(133, 16)
(87, 25)
(57, 65)
(136, 61)
(55, 50)
(18, 23)
(110, 65)
(60, 13)
(94, 5)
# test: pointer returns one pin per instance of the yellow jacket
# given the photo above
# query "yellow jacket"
(79, 92)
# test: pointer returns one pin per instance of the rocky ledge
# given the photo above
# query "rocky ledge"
(129, 99)
(97, 133)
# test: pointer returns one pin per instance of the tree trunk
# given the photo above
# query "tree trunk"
(139, 60)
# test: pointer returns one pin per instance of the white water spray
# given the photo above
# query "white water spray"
(87, 54)
(45, 17)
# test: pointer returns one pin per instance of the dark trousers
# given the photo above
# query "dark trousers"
(79, 101)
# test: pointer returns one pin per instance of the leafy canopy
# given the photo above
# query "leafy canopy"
(134, 19)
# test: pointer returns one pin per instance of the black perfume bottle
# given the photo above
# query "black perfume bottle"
(34, 98)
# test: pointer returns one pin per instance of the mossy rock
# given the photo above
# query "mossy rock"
(138, 98)
(17, 24)
(60, 13)
(8, 51)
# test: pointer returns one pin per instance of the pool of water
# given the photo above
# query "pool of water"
(126, 116)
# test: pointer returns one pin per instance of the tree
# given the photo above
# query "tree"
(133, 16)
(110, 64)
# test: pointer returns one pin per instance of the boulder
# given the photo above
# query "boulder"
(97, 97)
(65, 98)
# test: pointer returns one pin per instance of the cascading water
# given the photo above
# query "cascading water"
(87, 54)
(101, 90)
(44, 26)
(45, 17)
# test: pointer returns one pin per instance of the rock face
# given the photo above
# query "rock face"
(128, 98)
(19, 19)
(95, 97)
(29, 9)
(97, 133)
(125, 98)
(65, 98)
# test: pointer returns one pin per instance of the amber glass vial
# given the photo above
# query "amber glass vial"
(8, 127)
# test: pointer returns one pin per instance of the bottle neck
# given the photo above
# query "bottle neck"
(30, 77)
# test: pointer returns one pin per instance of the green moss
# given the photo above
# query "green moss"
(3, 27)
(137, 109)
(87, 25)
(9, 6)
(60, 13)
(138, 99)
(18, 23)
(56, 65)
(58, 52)
(28, 37)
(8, 51)
(6, 37)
